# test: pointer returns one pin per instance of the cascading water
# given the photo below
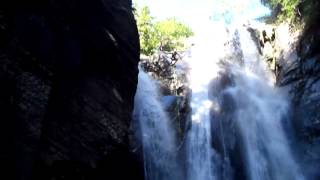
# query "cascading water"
(200, 154)
(236, 129)
(155, 133)
(259, 112)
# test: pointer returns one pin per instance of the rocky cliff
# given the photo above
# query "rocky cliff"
(294, 55)
(170, 70)
(68, 71)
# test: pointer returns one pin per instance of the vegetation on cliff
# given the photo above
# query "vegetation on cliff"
(295, 12)
(287, 8)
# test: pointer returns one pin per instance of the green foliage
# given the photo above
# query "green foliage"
(298, 12)
(167, 34)
(171, 34)
(288, 9)
(147, 31)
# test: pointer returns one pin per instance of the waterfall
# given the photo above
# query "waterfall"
(237, 127)
(259, 112)
(234, 99)
(155, 132)
(200, 154)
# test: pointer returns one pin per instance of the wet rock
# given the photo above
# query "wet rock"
(178, 109)
(297, 62)
(170, 70)
(69, 74)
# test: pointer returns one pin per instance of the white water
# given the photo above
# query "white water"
(156, 134)
(258, 110)
(200, 154)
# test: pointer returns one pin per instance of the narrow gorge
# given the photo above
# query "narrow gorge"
(152, 90)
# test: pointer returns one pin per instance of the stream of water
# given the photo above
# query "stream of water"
(154, 132)
(237, 124)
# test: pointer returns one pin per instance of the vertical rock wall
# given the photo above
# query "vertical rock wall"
(68, 71)
(295, 57)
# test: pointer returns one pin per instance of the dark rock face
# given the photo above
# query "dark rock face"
(298, 69)
(69, 72)
(303, 78)
(178, 110)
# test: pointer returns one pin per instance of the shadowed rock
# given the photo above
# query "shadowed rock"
(69, 74)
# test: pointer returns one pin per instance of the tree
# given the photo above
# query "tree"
(166, 34)
(147, 31)
(288, 8)
(171, 34)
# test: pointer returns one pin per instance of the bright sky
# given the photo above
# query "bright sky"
(196, 13)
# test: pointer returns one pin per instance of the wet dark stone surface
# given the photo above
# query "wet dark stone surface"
(68, 71)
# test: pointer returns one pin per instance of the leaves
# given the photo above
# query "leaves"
(171, 33)
(166, 34)
(288, 8)
(147, 32)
